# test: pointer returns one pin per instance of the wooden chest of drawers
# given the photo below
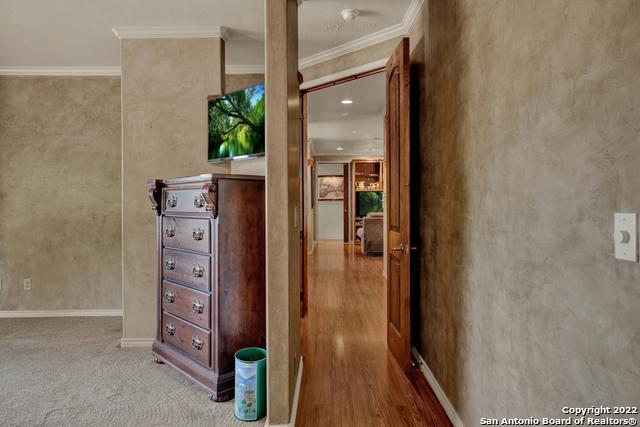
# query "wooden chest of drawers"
(211, 274)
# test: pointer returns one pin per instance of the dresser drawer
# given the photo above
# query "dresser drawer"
(184, 201)
(187, 303)
(187, 269)
(186, 337)
(186, 233)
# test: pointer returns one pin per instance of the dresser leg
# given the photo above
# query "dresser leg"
(222, 397)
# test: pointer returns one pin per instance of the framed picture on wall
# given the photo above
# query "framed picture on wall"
(331, 187)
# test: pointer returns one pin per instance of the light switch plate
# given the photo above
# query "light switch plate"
(626, 223)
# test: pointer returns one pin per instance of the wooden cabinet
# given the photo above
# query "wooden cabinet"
(211, 275)
(367, 177)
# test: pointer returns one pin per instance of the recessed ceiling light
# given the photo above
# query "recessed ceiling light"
(339, 148)
(347, 101)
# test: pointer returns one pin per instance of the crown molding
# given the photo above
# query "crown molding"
(411, 14)
(379, 36)
(244, 69)
(170, 32)
(59, 71)
(218, 31)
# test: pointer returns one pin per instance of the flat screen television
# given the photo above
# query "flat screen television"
(236, 124)
(368, 201)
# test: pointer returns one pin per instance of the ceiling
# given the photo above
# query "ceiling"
(357, 128)
(68, 33)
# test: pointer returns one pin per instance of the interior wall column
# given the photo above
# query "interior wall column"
(283, 206)
(165, 84)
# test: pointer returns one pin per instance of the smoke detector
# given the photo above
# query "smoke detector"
(350, 14)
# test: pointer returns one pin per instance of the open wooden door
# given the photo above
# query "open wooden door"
(398, 245)
(346, 188)
(304, 261)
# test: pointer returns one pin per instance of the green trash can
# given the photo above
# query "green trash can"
(251, 384)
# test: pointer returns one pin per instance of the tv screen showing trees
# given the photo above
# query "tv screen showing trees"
(236, 124)
(368, 201)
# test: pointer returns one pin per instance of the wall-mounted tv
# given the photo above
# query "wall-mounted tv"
(236, 124)
(368, 201)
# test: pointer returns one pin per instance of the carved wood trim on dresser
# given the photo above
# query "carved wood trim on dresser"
(211, 274)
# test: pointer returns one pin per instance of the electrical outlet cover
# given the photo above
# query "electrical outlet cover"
(625, 224)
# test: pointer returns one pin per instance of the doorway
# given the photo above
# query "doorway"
(332, 201)
(354, 341)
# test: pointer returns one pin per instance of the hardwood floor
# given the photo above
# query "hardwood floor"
(350, 378)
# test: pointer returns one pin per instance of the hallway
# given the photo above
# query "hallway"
(349, 377)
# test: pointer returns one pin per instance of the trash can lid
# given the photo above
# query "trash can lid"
(251, 354)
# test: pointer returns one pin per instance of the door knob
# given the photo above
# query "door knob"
(398, 248)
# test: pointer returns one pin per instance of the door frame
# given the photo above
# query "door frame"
(378, 67)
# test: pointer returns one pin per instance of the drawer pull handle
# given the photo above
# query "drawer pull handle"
(169, 296)
(198, 233)
(172, 201)
(197, 271)
(197, 343)
(170, 329)
(197, 307)
(198, 201)
(170, 264)
(170, 231)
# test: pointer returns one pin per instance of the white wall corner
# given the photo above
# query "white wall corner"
(440, 394)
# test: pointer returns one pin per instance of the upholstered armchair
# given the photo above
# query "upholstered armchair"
(373, 234)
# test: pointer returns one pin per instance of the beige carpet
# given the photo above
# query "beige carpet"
(72, 372)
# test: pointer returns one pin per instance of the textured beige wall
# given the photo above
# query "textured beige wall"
(283, 206)
(255, 166)
(235, 82)
(165, 83)
(60, 193)
(531, 142)
(360, 57)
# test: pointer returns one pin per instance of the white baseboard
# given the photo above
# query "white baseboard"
(442, 397)
(296, 399)
(15, 314)
(136, 342)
